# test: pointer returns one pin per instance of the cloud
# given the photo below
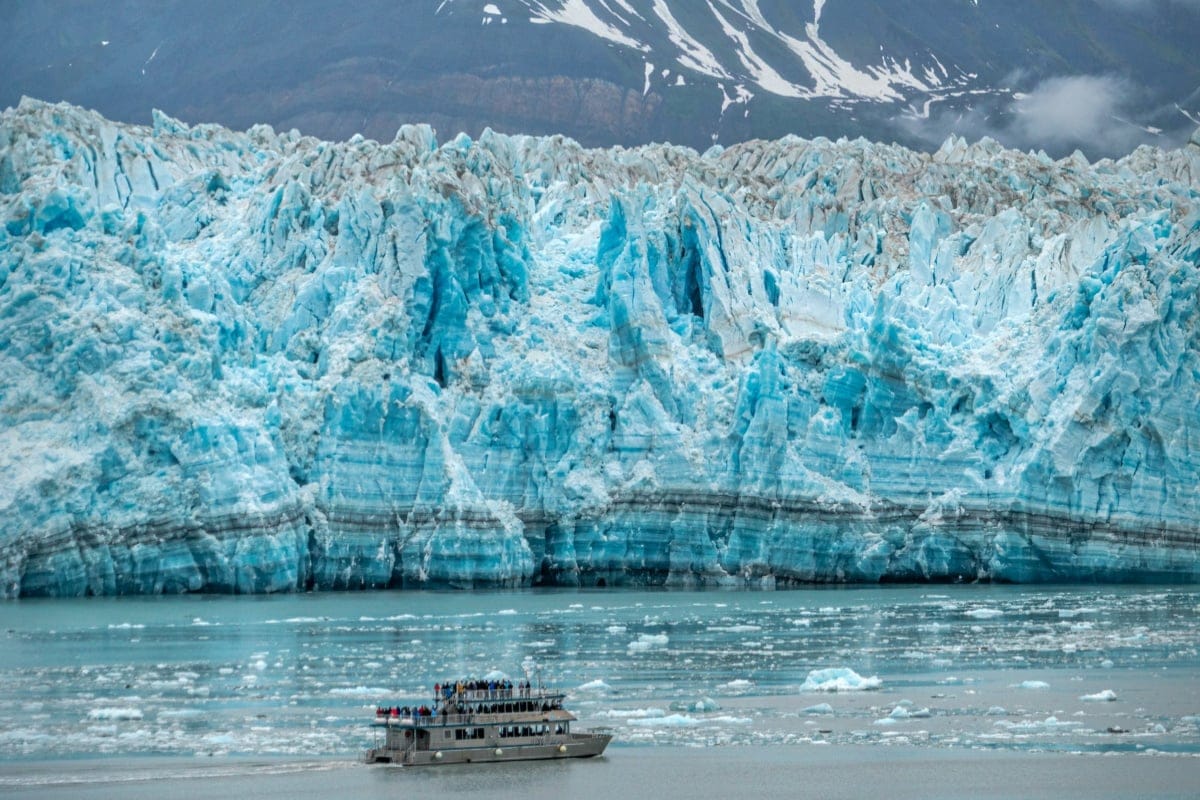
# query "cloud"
(1098, 114)
(1084, 111)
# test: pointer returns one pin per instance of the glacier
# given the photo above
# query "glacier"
(259, 362)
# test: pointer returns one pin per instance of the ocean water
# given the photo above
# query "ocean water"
(112, 697)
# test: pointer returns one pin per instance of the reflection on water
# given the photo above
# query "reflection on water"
(1074, 669)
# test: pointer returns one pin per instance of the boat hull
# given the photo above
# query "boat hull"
(579, 745)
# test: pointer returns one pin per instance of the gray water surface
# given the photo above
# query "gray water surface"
(1081, 672)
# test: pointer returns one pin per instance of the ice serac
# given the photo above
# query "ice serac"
(254, 362)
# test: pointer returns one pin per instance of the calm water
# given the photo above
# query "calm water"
(261, 691)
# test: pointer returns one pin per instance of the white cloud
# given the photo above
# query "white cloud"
(1076, 111)
(1098, 114)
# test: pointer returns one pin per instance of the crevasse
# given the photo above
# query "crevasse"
(254, 362)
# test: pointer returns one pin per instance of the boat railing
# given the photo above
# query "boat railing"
(441, 720)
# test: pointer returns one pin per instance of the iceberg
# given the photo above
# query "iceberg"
(259, 362)
(701, 705)
(838, 679)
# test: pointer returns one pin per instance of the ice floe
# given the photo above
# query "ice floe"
(838, 679)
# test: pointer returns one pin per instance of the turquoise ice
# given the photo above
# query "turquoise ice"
(254, 361)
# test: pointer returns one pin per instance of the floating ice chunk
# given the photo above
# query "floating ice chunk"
(648, 641)
(819, 708)
(984, 613)
(1030, 685)
(359, 691)
(1105, 696)
(595, 686)
(734, 628)
(632, 713)
(902, 712)
(737, 686)
(673, 721)
(838, 679)
(1034, 726)
(685, 721)
(702, 705)
(115, 713)
(179, 713)
(996, 711)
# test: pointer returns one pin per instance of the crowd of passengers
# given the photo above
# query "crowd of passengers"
(404, 711)
(449, 697)
(481, 690)
(456, 707)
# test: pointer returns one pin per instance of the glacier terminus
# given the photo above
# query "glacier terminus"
(260, 362)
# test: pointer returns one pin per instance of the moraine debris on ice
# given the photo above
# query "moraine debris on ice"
(256, 362)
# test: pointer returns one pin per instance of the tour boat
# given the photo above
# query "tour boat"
(483, 721)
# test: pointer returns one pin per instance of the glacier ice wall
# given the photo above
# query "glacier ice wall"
(253, 362)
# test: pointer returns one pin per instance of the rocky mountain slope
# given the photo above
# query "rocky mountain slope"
(1100, 75)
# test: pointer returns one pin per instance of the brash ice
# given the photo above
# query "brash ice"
(254, 362)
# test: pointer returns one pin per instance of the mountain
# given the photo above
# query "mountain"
(254, 361)
(1099, 75)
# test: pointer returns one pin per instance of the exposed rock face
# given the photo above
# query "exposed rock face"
(256, 362)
